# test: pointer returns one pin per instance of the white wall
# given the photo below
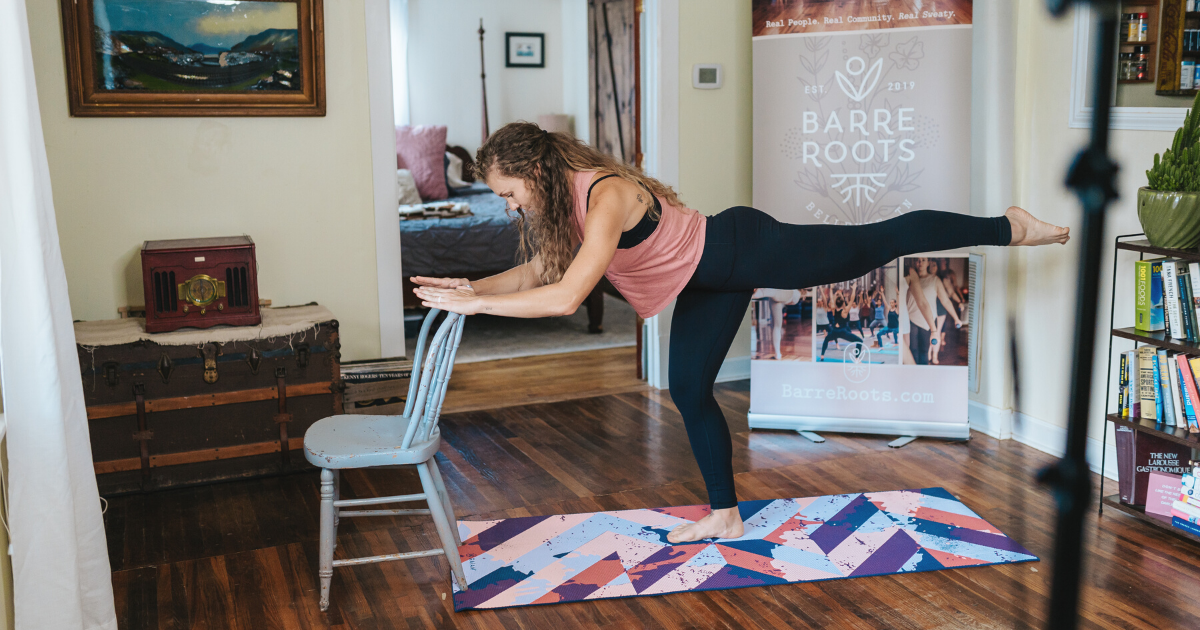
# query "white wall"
(301, 187)
(443, 64)
(1045, 146)
(575, 63)
(715, 125)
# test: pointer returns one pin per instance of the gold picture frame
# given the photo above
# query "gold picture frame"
(127, 67)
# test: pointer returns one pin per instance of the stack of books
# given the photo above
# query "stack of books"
(1185, 513)
(1161, 386)
(1164, 297)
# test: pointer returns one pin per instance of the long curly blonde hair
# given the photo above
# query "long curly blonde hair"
(543, 159)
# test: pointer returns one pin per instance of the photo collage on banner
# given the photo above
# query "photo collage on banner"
(862, 114)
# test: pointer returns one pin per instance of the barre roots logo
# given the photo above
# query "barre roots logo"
(868, 82)
(856, 362)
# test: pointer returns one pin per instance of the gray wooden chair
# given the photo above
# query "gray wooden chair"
(361, 441)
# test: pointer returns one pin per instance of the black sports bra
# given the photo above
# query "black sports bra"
(638, 233)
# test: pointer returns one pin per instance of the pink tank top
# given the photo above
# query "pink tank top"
(651, 273)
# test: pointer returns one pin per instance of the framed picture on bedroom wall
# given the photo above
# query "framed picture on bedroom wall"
(195, 57)
(525, 50)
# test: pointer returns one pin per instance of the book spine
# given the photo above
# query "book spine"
(1160, 401)
(1194, 279)
(1190, 528)
(1146, 382)
(1176, 397)
(1142, 302)
(1123, 436)
(1189, 302)
(1133, 406)
(1184, 515)
(1189, 403)
(1188, 383)
(1185, 311)
(1194, 364)
(1192, 501)
(1164, 386)
(1121, 386)
(1192, 511)
(1171, 300)
(1158, 315)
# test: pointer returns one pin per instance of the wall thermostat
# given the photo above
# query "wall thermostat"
(707, 76)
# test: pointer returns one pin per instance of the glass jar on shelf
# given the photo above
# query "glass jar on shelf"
(1125, 66)
(1143, 27)
(1140, 63)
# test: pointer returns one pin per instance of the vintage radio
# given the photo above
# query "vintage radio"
(200, 282)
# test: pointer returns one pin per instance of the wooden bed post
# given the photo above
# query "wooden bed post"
(483, 82)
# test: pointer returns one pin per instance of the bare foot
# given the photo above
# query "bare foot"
(1027, 230)
(725, 523)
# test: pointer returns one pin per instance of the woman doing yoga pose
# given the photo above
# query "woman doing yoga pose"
(635, 230)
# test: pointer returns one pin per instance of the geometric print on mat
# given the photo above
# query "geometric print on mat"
(537, 560)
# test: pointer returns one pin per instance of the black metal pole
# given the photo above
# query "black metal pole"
(1093, 178)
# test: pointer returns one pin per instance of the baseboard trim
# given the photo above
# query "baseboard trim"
(989, 420)
(734, 369)
(1004, 424)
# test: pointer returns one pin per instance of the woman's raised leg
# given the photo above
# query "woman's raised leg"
(788, 256)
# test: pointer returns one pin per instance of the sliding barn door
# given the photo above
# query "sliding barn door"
(614, 95)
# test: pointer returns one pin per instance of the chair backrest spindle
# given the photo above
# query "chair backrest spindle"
(427, 392)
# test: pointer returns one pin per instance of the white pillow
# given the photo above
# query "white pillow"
(454, 171)
(406, 187)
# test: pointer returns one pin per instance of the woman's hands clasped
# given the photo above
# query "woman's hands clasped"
(448, 294)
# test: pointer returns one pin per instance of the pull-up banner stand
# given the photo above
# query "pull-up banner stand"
(862, 112)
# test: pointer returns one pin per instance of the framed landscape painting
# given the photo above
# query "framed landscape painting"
(195, 57)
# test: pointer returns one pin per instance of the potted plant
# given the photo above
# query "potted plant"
(1169, 206)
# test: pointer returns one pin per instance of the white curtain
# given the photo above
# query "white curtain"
(399, 13)
(61, 575)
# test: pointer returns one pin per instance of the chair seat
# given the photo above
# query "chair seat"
(361, 441)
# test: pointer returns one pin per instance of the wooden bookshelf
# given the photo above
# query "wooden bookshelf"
(1158, 339)
(1139, 512)
(1159, 429)
(1144, 246)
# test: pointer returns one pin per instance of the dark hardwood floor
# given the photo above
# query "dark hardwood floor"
(243, 555)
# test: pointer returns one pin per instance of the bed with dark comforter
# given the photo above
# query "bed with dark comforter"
(486, 241)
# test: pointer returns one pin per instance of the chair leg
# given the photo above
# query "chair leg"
(337, 495)
(325, 570)
(445, 497)
(439, 520)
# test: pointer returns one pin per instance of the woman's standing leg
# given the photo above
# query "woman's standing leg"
(702, 330)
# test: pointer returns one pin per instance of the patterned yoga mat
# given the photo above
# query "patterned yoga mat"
(599, 555)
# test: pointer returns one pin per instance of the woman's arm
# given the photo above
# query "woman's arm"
(944, 298)
(612, 205)
(519, 278)
(526, 276)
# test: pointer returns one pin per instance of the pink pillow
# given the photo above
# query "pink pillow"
(422, 150)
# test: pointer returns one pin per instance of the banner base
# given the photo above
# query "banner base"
(861, 425)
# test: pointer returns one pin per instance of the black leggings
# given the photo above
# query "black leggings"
(746, 249)
(839, 333)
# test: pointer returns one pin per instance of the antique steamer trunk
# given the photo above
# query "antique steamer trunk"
(199, 406)
(200, 282)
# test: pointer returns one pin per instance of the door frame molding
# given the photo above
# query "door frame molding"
(383, 177)
(660, 145)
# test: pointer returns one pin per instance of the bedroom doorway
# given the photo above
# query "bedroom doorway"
(447, 74)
